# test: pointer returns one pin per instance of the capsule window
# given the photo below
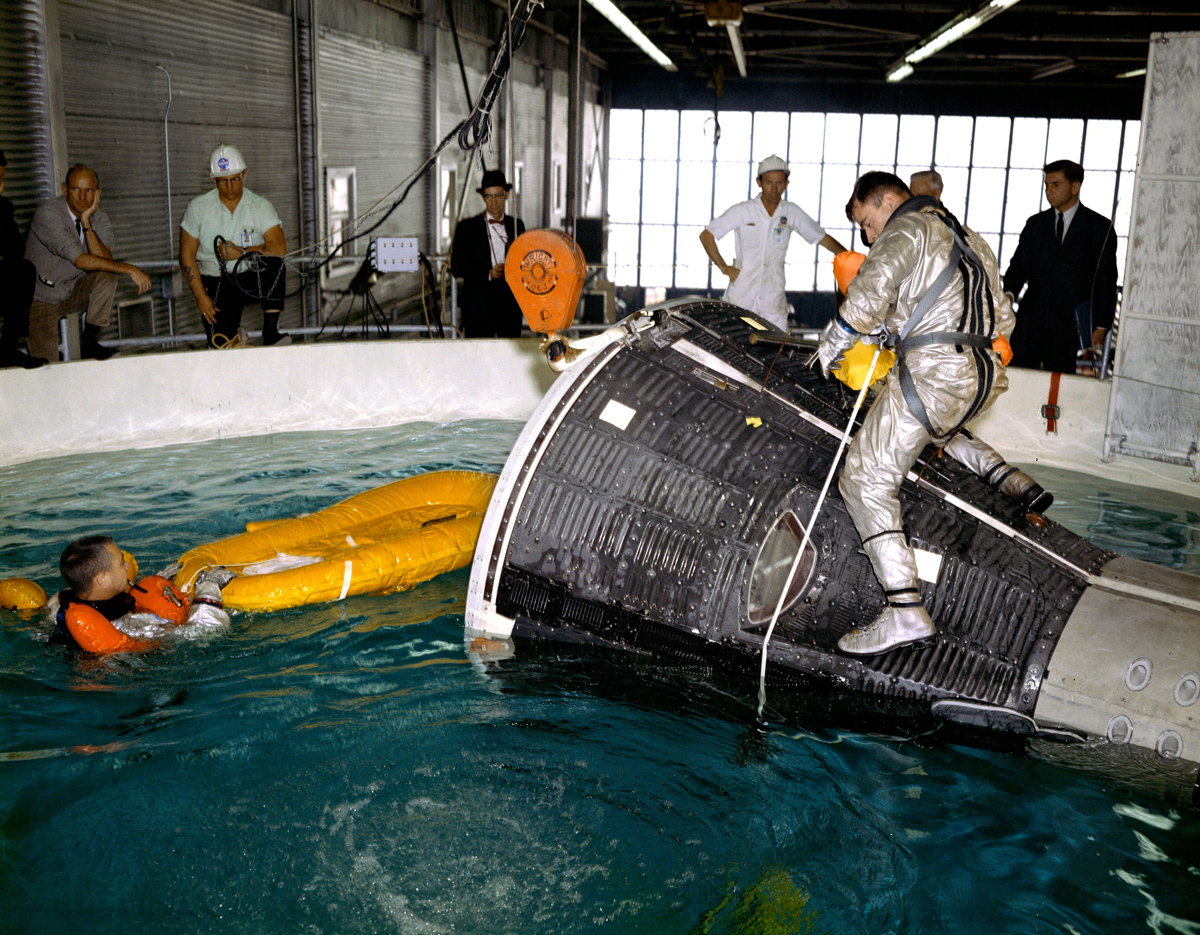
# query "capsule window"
(774, 563)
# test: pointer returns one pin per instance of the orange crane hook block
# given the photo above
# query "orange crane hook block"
(545, 270)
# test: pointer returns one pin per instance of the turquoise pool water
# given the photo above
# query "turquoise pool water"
(347, 769)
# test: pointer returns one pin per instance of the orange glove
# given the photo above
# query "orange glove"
(845, 267)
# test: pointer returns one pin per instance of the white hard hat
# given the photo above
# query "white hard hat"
(226, 161)
(773, 164)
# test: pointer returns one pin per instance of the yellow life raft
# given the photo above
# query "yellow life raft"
(383, 540)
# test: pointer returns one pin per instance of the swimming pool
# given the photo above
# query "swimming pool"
(347, 768)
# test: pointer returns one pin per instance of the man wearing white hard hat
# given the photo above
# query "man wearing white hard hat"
(246, 230)
(762, 228)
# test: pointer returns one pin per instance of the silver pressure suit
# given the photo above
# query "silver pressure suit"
(954, 382)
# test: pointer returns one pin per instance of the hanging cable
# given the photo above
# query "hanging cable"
(478, 129)
(812, 522)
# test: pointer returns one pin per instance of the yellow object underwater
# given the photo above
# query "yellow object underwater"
(21, 594)
(383, 540)
(852, 370)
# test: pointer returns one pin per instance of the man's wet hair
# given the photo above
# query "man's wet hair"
(79, 166)
(872, 186)
(1072, 170)
(83, 559)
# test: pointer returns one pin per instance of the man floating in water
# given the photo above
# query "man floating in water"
(102, 589)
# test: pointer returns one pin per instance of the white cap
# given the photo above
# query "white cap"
(226, 161)
(773, 164)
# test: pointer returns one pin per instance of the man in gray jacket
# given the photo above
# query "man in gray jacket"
(70, 243)
(933, 288)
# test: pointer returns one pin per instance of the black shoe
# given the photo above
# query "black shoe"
(94, 350)
(1036, 500)
(279, 338)
(18, 358)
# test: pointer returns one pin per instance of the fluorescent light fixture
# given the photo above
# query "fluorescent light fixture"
(945, 35)
(739, 54)
(1136, 73)
(1056, 69)
(608, 10)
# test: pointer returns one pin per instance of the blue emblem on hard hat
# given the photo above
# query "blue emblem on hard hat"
(223, 163)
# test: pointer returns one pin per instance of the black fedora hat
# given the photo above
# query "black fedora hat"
(494, 178)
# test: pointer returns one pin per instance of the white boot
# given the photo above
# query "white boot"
(905, 619)
(894, 627)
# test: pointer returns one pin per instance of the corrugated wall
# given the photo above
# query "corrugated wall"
(1155, 404)
(24, 124)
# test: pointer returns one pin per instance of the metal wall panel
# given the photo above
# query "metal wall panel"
(232, 80)
(24, 129)
(1155, 405)
(372, 113)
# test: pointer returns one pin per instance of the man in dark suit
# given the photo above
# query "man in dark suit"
(1067, 263)
(17, 277)
(489, 309)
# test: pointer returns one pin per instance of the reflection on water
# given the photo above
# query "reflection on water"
(347, 768)
(1135, 521)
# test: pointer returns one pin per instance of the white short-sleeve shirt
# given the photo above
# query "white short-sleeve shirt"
(245, 226)
(761, 242)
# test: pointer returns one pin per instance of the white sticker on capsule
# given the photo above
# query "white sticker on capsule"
(929, 564)
(758, 325)
(617, 414)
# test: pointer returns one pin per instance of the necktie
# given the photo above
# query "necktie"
(494, 221)
(1058, 229)
(79, 230)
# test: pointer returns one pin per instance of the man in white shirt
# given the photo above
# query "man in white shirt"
(246, 223)
(762, 228)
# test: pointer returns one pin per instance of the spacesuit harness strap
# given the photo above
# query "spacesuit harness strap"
(901, 343)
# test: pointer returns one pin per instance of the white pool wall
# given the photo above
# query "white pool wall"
(152, 400)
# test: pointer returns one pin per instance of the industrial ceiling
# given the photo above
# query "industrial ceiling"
(1028, 58)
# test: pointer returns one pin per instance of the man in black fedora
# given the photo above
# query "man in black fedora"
(489, 309)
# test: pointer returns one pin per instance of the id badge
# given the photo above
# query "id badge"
(780, 234)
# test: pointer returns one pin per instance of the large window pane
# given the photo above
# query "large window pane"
(837, 186)
(808, 137)
(841, 138)
(623, 254)
(879, 140)
(1065, 140)
(658, 255)
(1124, 204)
(954, 192)
(1029, 143)
(691, 262)
(804, 189)
(696, 135)
(625, 134)
(770, 136)
(661, 134)
(991, 142)
(1133, 139)
(1025, 188)
(658, 191)
(624, 189)
(953, 141)
(735, 137)
(1102, 148)
(1098, 190)
(732, 185)
(987, 200)
(916, 140)
(695, 192)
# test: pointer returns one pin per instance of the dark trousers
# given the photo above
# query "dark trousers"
(17, 277)
(492, 312)
(230, 294)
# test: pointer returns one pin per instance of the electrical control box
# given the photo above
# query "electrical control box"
(396, 254)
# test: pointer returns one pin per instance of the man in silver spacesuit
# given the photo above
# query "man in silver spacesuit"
(931, 289)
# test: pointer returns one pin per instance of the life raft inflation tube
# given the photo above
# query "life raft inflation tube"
(383, 540)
